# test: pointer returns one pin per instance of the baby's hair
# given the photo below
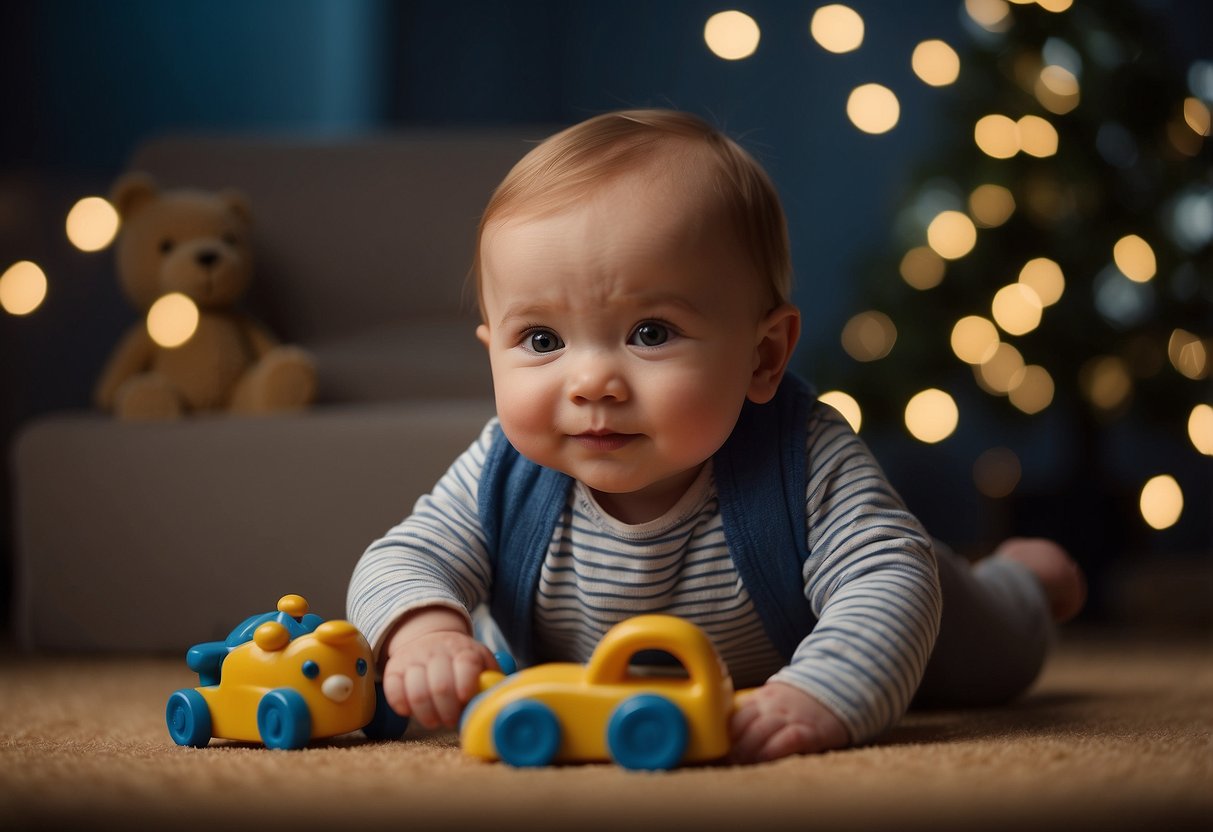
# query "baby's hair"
(567, 166)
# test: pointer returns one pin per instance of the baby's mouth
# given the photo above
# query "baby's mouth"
(604, 440)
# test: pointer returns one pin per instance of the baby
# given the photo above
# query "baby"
(652, 453)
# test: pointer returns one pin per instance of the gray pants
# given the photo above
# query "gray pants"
(994, 635)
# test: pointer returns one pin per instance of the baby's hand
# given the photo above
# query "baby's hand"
(776, 720)
(431, 673)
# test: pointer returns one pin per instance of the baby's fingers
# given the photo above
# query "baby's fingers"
(468, 665)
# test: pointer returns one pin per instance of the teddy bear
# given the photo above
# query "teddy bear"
(197, 243)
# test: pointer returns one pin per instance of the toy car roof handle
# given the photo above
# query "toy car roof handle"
(681, 639)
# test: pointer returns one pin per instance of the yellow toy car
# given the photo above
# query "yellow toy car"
(282, 679)
(607, 710)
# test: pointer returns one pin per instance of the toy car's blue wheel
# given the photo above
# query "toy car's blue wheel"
(188, 718)
(386, 724)
(526, 733)
(647, 732)
(283, 719)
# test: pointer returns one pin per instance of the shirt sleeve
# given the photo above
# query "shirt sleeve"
(435, 556)
(872, 581)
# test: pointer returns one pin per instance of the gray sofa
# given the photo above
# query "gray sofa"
(151, 537)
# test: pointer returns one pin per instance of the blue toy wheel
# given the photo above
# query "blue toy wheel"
(283, 719)
(386, 724)
(188, 718)
(647, 732)
(526, 734)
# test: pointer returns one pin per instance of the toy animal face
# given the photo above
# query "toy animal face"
(327, 666)
(193, 242)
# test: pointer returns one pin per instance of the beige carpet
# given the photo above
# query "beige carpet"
(1117, 735)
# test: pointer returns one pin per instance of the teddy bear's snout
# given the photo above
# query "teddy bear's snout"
(207, 258)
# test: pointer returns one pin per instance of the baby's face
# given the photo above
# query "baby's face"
(623, 335)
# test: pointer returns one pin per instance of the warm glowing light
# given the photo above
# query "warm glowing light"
(1036, 136)
(844, 404)
(1003, 371)
(997, 136)
(996, 472)
(935, 63)
(732, 35)
(1196, 113)
(1016, 308)
(1034, 392)
(869, 336)
(1045, 277)
(991, 15)
(92, 224)
(22, 288)
(873, 108)
(1162, 502)
(1055, 6)
(1135, 258)
(991, 205)
(1105, 381)
(172, 320)
(974, 340)
(952, 235)
(1057, 89)
(837, 28)
(1200, 428)
(1188, 354)
(922, 268)
(931, 416)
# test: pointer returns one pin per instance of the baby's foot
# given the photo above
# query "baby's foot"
(1062, 579)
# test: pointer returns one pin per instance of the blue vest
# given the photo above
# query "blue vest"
(760, 475)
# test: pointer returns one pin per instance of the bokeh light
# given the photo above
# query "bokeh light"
(1046, 279)
(935, 63)
(837, 28)
(1196, 114)
(1188, 354)
(1106, 382)
(844, 404)
(1016, 308)
(931, 416)
(92, 224)
(1162, 502)
(172, 320)
(1002, 372)
(996, 472)
(1200, 428)
(873, 108)
(732, 35)
(869, 336)
(991, 15)
(997, 136)
(1035, 389)
(1055, 6)
(922, 268)
(974, 340)
(1057, 89)
(22, 288)
(1135, 258)
(1037, 137)
(991, 205)
(951, 234)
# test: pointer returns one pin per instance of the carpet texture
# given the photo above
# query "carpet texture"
(1117, 734)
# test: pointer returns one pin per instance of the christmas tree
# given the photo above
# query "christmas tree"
(1051, 268)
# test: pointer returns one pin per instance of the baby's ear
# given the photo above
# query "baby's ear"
(777, 334)
(483, 334)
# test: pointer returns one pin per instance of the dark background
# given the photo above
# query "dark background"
(86, 80)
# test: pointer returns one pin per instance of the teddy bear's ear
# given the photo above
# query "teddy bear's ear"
(131, 192)
(238, 203)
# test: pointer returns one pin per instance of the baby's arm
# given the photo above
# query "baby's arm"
(432, 666)
(776, 720)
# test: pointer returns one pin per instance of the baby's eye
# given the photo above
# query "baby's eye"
(650, 334)
(543, 341)
(310, 669)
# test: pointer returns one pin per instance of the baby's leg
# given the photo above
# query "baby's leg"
(998, 618)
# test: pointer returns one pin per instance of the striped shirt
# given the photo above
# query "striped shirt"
(870, 577)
